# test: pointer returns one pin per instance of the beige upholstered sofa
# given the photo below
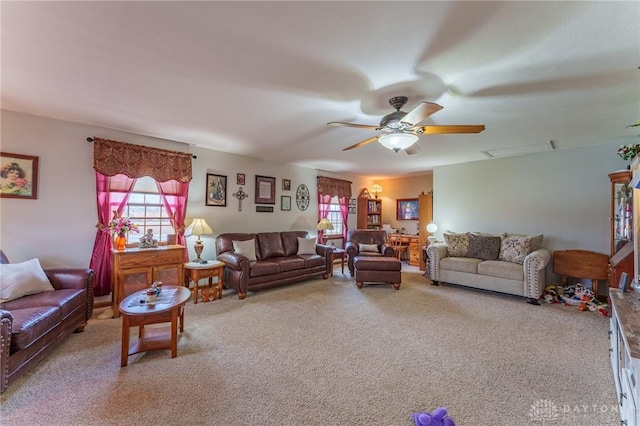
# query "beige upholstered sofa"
(508, 263)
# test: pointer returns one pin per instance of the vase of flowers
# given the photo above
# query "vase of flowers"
(119, 226)
(628, 152)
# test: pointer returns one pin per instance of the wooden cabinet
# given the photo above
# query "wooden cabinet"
(621, 209)
(369, 211)
(622, 257)
(624, 355)
(415, 252)
(425, 216)
(135, 269)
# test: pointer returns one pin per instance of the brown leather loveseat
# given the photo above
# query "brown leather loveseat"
(30, 326)
(365, 239)
(276, 261)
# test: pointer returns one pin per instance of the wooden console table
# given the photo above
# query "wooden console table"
(135, 269)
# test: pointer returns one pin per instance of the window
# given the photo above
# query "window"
(335, 217)
(145, 209)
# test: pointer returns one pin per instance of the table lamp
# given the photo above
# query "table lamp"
(198, 227)
(431, 229)
(324, 224)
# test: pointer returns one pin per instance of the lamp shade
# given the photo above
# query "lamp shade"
(198, 227)
(376, 188)
(397, 141)
(324, 224)
(432, 227)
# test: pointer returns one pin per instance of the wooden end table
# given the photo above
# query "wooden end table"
(196, 271)
(169, 307)
(338, 254)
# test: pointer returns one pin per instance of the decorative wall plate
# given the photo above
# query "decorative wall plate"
(302, 197)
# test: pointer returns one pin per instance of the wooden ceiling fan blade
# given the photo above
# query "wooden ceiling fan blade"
(419, 113)
(361, 126)
(361, 143)
(452, 128)
(413, 149)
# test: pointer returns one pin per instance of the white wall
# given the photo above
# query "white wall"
(59, 227)
(563, 194)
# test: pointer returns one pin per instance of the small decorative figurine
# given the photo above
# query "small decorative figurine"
(147, 241)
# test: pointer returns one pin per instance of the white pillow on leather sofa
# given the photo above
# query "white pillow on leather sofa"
(22, 279)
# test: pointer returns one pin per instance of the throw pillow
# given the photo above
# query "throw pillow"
(22, 279)
(515, 248)
(306, 245)
(368, 247)
(485, 247)
(246, 248)
(457, 244)
(535, 241)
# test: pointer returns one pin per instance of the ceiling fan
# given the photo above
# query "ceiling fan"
(400, 130)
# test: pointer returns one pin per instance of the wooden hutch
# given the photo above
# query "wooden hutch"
(621, 227)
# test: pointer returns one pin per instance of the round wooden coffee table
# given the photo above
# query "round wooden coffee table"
(169, 307)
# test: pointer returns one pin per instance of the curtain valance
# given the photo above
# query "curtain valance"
(334, 187)
(112, 158)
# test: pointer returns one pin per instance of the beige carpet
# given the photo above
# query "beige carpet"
(325, 353)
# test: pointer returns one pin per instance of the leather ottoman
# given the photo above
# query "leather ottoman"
(377, 269)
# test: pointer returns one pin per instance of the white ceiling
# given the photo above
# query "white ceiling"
(263, 78)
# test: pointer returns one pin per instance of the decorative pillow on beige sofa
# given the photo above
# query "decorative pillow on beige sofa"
(457, 244)
(535, 241)
(515, 248)
(484, 246)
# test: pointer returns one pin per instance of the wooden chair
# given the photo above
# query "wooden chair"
(399, 247)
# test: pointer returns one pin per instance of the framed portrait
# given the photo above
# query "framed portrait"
(240, 179)
(286, 184)
(265, 190)
(407, 209)
(216, 190)
(19, 176)
(285, 203)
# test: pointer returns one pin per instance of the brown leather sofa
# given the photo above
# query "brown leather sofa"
(277, 261)
(32, 325)
(355, 237)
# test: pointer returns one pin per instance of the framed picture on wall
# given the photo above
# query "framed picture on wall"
(240, 179)
(265, 190)
(19, 175)
(285, 203)
(216, 190)
(407, 209)
(286, 184)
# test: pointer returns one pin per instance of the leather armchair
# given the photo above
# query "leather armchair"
(355, 237)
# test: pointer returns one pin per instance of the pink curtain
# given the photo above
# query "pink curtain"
(344, 211)
(118, 165)
(112, 194)
(323, 211)
(174, 197)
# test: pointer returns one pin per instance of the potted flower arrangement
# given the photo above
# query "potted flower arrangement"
(120, 226)
(629, 152)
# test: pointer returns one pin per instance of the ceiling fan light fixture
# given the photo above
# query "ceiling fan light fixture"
(398, 141)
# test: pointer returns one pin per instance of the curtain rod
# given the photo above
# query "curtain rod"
(90, 139)
(318, 177)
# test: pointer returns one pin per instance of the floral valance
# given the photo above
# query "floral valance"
(112, 158)
(334, 187)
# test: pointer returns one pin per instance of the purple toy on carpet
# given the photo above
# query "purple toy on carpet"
(439, 417)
